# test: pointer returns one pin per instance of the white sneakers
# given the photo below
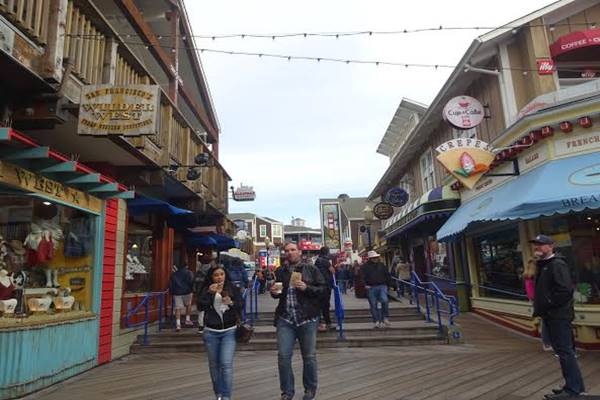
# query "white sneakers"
(385, 324)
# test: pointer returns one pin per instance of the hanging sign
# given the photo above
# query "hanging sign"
(244, 193)
(130, 110)
(463, 112)
(397, 197)
(466, 159)
(545, 66)
(383, 210)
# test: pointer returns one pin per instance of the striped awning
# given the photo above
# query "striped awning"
(440, 200)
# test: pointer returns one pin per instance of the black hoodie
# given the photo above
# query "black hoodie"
(553, 297)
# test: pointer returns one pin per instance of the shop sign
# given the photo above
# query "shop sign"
(397, 197)
(466, 159)
(244, 193)
(463, 112)
(331, 225)
(586, 176)
(130, 110)
(577, 144)
(307, 245)
(32, 182)
(545, 66)
(532, 158)
(383, 210)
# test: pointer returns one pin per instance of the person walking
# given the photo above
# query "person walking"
(221, 302)
(553, 303)
(206, 263)
(181, 286)
(529, 283)
(237, 273)
(327, 271)
(299, 287)
(377, 279)
(403, 271)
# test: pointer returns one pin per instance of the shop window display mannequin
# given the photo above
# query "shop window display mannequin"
(7, 302)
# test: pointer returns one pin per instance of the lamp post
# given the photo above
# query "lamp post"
(368, 217)
(267, 244)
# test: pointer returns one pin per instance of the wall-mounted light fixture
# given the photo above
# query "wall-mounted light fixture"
(200, 160)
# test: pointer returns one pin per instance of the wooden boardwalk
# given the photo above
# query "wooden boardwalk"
(494, 363)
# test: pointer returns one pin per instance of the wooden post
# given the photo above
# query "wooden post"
(109, 69)
(173, 17)
(53, 57)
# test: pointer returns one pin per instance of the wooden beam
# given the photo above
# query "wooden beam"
(88, 178)
(26, 154)
(4, 133)
(200, 113)
(67, 166)
(129, 194)
(106, 187)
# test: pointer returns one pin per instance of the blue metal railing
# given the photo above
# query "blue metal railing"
(433, 296)
(146, 304)
(339, 309)
(250, 295)
(489, 288)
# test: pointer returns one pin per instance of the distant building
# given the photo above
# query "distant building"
(257, 228)
(298, 222)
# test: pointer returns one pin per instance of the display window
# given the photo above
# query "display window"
(500, 264)
(47, 255)
(577, 238)
(438, 256)
(139, 259)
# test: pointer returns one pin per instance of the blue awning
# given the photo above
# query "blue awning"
(219, 242)
(558, 187)
(145, 205)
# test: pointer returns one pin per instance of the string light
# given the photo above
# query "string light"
(288, 57)
(337, 35)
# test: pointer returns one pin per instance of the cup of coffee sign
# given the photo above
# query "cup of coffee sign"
(278, 286)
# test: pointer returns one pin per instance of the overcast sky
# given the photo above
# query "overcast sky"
(299, 131)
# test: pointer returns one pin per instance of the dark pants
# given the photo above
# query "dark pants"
(325, 304)
(561, 337)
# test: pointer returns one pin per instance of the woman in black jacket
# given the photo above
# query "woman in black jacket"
(221, 302)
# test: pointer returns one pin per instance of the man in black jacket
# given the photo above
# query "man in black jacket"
(324, 265)
(299, 288)
(553, 302)
(377, 279)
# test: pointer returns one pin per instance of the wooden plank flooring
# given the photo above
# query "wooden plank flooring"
(494, 363)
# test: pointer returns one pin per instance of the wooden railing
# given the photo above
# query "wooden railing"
(126, 75)
(84, 46)
(29, 15)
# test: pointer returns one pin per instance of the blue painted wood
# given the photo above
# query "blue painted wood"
(129, 194)
(4, 133)
(98, 263)
(107, 187)
(35, 357)
(67, 166)
(62, 202)
(88, 178)
(27, 154)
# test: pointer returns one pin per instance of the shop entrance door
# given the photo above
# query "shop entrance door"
(419, 260)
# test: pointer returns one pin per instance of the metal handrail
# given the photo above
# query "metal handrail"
(339, 309)
(146, 321)
(252, 292)
(432, 296)
(491, 289)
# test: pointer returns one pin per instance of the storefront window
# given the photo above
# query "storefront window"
(139, 265)
(47, 256)
(438, 256)
(500, 264)
(577, 238)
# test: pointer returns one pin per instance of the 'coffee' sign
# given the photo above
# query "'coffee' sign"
(119, 110)
(463, 112)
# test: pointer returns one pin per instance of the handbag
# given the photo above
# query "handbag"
(244, 333)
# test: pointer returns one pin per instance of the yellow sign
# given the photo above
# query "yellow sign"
(119, 110)
(466, 159)
(21, 178)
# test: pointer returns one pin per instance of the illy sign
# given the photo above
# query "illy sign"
(463, 112)
(545, 66)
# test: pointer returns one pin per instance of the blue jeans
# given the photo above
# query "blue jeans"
(220, 347)
(561, 337)
(378, 294)
(342, 285)
(286, 338)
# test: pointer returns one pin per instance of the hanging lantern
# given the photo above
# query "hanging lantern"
(585, 122)
(535, 136)
(566, 127)
(547, 131)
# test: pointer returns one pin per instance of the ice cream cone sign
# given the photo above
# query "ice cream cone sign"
(466, 159)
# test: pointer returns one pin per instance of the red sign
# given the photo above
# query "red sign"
(307, 245)
(574, 41)
(545, 66)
